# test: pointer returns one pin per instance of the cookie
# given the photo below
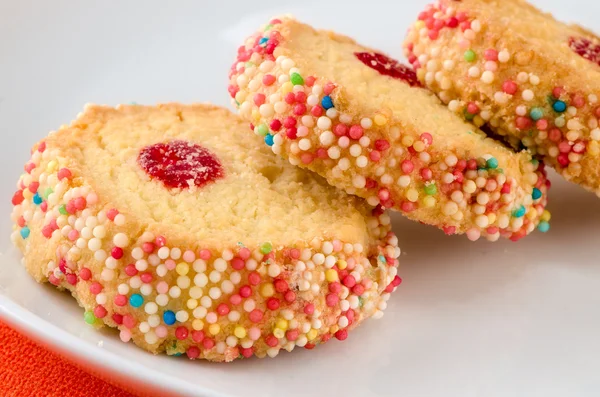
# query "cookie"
(362, 120)
(174, 226)
(528, 77)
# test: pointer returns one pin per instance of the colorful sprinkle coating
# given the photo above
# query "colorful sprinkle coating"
(371, 155)
(518, 89)
(204, 303)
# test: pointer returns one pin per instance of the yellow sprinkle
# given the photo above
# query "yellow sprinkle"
(532, 214)
(429, 202)
(312, 334)
(492, 218)
(421, 74)
(214, 329)
(282, 323)
(478, 121)
(198, 324)
(255, 114)
(334, 329)
(182, 269)
(419, 25)
(192, 304)
(546, 216)
(407, 140)
(279, 333)
(412, 195)
(342, 264)
(331, 275)
(240, 332)
(267, 290)
(380, 119)
(52, 166)
(287, 87)
(419, 146)
(27, 194)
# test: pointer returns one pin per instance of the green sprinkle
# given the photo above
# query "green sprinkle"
(470, 56)
(492, 163)
(47, 193)
(430, 189)
(468, 116)
(536, 113)
(361, 301)
(262, 130)
(544, 227)
(63, 209)
(266, 248)
(89, 318)
(249, 64)
(268, 27)
(296, 79)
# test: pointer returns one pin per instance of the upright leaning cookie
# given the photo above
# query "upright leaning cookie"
(173, 225)
(527, 76)
(362, 120)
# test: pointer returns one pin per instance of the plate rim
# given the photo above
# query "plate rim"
(60, 341)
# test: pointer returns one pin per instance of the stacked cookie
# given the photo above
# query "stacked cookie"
(191, 236)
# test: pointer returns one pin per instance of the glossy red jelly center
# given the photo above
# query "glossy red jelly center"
(389, 67)
(586, 48)
(180, 164)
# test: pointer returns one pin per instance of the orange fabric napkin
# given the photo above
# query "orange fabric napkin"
(27, 369)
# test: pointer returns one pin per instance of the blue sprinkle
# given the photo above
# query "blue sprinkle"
(269, 139)
(537, 194)
(263, 41)
(382, 259)
(326, 102)
(37, 200)
(559, 106)
(177, 354)
(25, 232)
(169, 317)
(519, 213)
(544, 227)
(136, 300)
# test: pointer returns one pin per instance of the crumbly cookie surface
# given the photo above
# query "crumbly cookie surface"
(172, 225)
(362, 120)
(527, 76)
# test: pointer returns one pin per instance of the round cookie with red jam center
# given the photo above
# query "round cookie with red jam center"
(173, 225)
(363, 121)
(528, 77)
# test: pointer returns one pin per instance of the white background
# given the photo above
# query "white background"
(471, 319)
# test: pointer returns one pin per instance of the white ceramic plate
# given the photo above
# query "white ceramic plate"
(471, 319)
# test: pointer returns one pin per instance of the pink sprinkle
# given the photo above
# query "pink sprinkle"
(92, 198)
(335, 287)
(309, 309)
(235, 299)
(71, 278)
(129, 321)
(189, 256)
(564, 147)
(289, 122)
(407, 166)
(290, 296)
(292, 335)
(85, 274)
(117, 252)
(579, 147)
(578, 101)
(256, 316)
(433, 34)
(254, 278)
(452, 22)
(291, 133)
(407, 206)
(70, 207)
(382, 144)
(322, 153)
(316, 111)
(193, 352)
(340, 129)
(125, 335)
(328, 88)
(472, 108)
(509, 87)
(223, 309)
(557, 92)
(275, 125)
(290, 98)
(375, 156)
(332, 299)
(356, 132)
(42, 147)
(117, 318)
(337, 245)
(170, 264)
(148, 248)
(244, 253)
(358, 289)
(73, 235)
(111, 214)
(384, 194)
(349, 281)
(208, 343)
(426, 174)
(100, 311)
(205, 254)
(268, 79)
(130, 270)
(245, 291)
(307, 158)
(146, 277)
(161, 331)
(254, 333)
(181, 333)
(44, 206)
(120, 300)
(299, 109)
(95, 288)
(198, 336)
(491, 55)
(80, 203)
(53, 280)
(295, 253)
(309, 81)
(64, 173)
(161, 241)
(259, 99)
(34, 186)
(563, 159)
(523, 122)
(301, 97)
(542, 124)
(162, 287)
